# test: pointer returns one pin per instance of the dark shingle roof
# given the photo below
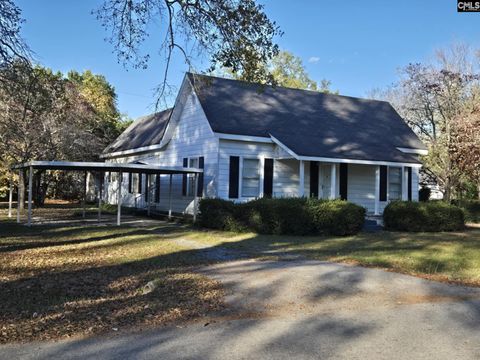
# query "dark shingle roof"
(145, 131)
(309, 123)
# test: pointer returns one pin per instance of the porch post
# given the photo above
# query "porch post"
(30, 185)
(149, 188)
(10, 197)
(170, 198)
(320, 190)
(100, 178)
(20, 178)
(84, 200)
(333, 181)
(301, 187)
(404, 184)
(261, 190)
(377, 190)
(119, 200)
(195, 199)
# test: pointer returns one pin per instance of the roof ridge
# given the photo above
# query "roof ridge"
(286, 88)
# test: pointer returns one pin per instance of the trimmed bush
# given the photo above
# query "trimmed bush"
(337, 217)
(290, 216)
(217, 214)
(423, 216)
(471, 208)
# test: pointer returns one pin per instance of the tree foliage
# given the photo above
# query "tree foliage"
(287, 70)
(101, 96)
(12, 46)
(440, 102)
(236, 34)
(47, 116)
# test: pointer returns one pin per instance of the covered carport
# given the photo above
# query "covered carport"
(101, 168)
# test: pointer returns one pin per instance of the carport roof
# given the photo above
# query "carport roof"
(103, 166)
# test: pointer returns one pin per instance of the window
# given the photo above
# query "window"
(395, 183)
(134, 185)
(250, 178)
(192, 163)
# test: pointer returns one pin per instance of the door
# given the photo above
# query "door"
(324, 181)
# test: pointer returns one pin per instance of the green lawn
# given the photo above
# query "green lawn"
(453, 257)
(58, 281)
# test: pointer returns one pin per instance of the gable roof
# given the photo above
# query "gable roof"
(145, 131)
(309, 123)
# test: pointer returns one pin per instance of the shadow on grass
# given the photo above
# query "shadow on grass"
(94, 299)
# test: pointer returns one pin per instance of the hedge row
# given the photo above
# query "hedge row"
(423, 216)
(293, 216)
(471, 208)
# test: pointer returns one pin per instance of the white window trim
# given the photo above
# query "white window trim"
(189, 158)
(401, 182)
(261, 160)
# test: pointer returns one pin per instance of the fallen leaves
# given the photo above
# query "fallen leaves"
(83, 281)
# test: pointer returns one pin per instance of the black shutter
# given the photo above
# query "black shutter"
(139, 183)
(201, 165)
(147, 186)
(233, 177)
(157, 188)
(268, 178)
(130, 183)
(314, 179)
(383, 183)
(343, 181)
(409, 170)
(184, 179)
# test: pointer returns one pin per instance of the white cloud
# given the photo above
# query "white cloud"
(313, 59)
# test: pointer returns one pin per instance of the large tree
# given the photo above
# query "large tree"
(237, 34)
(44, 115)
(12, 46)
(436, 101)
(287, 70)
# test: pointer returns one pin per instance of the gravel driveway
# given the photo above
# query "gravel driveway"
(303, 309)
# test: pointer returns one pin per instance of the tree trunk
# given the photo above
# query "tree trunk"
(448, 191)
(478, 190)
(39, 191)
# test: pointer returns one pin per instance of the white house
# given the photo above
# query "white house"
(255, 141)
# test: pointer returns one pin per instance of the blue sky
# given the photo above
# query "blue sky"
(358, 45)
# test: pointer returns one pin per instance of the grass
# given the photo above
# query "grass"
(61, 281)
(447, 256)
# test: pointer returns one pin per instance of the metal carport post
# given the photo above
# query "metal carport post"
(103, 168)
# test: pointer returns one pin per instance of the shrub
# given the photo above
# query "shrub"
(216, 213)
(471, 208)
(423, 216)
(292, 216)
(337, 217)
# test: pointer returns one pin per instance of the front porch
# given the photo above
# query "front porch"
(372, 186)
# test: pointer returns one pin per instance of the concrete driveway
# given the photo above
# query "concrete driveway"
(303, 309)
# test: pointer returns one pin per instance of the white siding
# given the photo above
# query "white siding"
(285, 172)
(242, 149)
(286, 177)
(361, 186)
(192, 137)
